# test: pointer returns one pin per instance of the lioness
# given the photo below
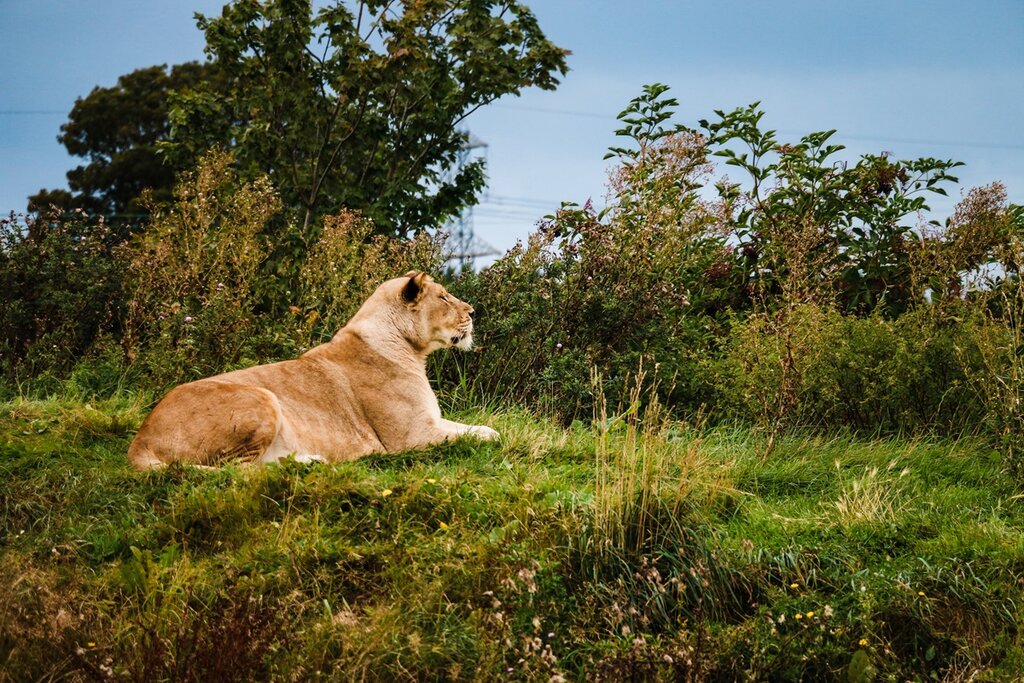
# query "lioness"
(365, 391)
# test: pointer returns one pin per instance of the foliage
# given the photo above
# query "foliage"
(195, 279)
(347, 264)
(358, 107)
(812, 366)
(801, 357)
(192, 277)
(351, 107)
(770, 305)
(995, 357)
(116, 130)
(184, 298)
(653, 540)
(813, 229)
(650, 538)
(641, 281)
(59, 290)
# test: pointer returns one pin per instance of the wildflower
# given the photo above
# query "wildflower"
(188, 318)
(90, 644)
(921, 593)
(794, 586)
(798, 616)
(828, 611)
(385, 493)
(810, 614)
(442, 525)
(863, 642)
(431, 481)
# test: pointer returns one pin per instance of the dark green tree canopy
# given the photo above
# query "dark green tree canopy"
(358, 105)
(115, 130)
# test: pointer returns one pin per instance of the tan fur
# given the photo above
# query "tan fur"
(365, 391)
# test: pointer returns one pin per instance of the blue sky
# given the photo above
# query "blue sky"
(912, 77)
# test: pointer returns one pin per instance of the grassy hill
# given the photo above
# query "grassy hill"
(627, 548)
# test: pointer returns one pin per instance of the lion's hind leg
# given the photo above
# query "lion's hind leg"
(206, 423)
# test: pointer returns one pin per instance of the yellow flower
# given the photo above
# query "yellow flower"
(794, 585)
(386, 492)
(863, 642)
(442, 525)
(91, 644)
(921, 593)
(798, 615)
(431, 481)
(810, 614)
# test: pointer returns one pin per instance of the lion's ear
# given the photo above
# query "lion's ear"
(414, 287)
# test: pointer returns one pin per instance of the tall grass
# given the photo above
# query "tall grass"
(879, 496)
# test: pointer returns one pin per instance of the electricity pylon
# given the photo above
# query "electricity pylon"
(465, 245)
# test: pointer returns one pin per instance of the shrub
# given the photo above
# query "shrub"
(768, 367)
(642, 280)
(812, 229)
(59, 289)
(200, 295)
(345, 266)
(812, 366)
(993, 358)
(192, 276)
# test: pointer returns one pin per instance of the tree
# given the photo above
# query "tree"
(359, 107)
(116, 130)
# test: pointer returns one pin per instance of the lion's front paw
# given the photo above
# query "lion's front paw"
(483, 432)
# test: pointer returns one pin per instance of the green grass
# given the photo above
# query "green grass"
(652, 551)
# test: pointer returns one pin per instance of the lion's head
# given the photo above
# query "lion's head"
(421, 311)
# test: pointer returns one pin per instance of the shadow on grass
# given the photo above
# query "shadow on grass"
(464, 450)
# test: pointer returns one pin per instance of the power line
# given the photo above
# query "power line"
(838, 134)
(608, 117)
(494, 213)
(563, 112)
(911, 141)
(528, 202)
